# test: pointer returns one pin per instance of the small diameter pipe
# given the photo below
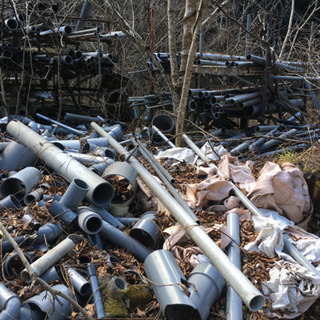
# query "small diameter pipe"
(6, 246)
(21, 183)
(206, 287)
(33, 196)
(91, 270)
(89, 221)
(59, 124)
(51, 257)
(274, 142)
(116, 237)
(100, 191)
(75, 193)
(234, 303)
(250, 206)
(9, 303)
(168, 184)
(48, 233)
(82, 118)
(250, 295)
(80, 284)
(63, 213)
(164, 138)
(107, 216)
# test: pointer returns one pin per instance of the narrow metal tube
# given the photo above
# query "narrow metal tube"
(250, 295)
(91, 270)
(234, 303)
(100, 191)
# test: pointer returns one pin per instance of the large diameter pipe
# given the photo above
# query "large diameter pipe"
(21, 183)
(51, 257)
(9, 303)
(207, 285)
(249, 294)
(234, 303)
(100, 191)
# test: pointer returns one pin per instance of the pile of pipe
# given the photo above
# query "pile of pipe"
(35, 163)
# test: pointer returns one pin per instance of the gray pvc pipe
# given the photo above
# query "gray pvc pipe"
(75, 193)
(9, 202)
(248, 292)
(107, 216)
(116, 237)
(63, 213)
(206, 287)
(9, 303)
(21, 183)
(47, 307)
(50, 258)
(164, 138)
(33, 196)
(12, 264)
(82, 118)
(51, 275)
(89, 159)
(146, 230)
(16, 156)
(98, 168)
(91, 270)
(166, 279)
(126, 171)
(234, 303)
(89, 221)
(80, 284)
(48, 233)
(69, 144)
(100, 191)
(274, 142)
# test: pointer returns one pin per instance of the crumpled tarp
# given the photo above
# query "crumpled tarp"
(177, 237)
(282, 189)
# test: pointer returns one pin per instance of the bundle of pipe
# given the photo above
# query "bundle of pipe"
(164, 59)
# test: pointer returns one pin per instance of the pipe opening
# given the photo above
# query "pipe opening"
(24, 275)
(85, 289)
(120, 283)
(13, 265)
(81, 184)
(102, 194)
(29, 199)
(13, 186)
(256, 303)
(143, 237)
(124, 190)
(181, 312)
(12, 24)
(163, 122)
(94, 224)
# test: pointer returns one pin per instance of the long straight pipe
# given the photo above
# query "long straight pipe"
(163, 177)
(239, 282)
(288, 246)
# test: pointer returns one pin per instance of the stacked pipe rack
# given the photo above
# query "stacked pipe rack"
(35, 46)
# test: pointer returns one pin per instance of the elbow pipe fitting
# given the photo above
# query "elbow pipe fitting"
(116, 237)
(89, 221)
(9, 303)
(75, 193)
(13, 265)
(21, 183)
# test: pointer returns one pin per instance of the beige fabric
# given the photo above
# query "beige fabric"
(282, 189)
